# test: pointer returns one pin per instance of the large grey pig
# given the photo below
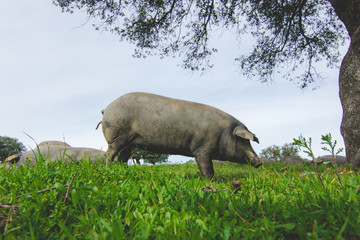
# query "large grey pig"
(170, 126)
(54, 150)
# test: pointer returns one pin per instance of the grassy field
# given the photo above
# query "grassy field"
(174, 202)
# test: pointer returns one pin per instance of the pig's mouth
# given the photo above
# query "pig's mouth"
(257, 163)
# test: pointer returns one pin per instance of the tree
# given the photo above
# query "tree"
(291, 34)
(277, 153)
(10, 146)
(148, 157)
(349, 80)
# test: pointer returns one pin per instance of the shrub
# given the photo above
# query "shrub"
(277, 153)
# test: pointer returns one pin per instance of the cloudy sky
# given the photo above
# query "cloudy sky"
(57, 73)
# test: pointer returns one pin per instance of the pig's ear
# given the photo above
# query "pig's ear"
(243, 133)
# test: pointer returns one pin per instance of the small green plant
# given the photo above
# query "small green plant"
(302, 142)
(327, 140)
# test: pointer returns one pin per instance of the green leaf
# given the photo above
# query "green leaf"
(74, 196)
(287, 226)
(60, 187)
(339, 151)
(106, 224)
(201, 223)
(160, 197)
(117, 229)
(227, 231)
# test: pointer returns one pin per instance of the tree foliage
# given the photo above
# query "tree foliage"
(291, 34)
(10, 146)
(148, 157)
(277, 153)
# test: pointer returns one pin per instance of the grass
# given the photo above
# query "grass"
(275, 201)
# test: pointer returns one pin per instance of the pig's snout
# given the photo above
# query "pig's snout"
(256, 162)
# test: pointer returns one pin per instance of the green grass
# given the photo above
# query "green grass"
(167, 202)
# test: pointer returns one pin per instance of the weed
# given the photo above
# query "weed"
(327, 140)
(302, 142)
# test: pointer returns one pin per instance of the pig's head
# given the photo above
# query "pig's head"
(240, 148)
(12, 160)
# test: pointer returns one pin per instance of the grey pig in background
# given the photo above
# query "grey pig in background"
(170, 126)
(53, 151)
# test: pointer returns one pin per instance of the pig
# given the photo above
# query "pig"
(329, 159)
(292, 160)
(170, 126)
(54, 150)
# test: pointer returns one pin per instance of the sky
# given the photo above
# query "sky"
(57, 73)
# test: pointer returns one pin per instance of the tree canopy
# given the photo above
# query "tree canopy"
(290, 34)
(10, 146)
(277, 153)
(148, 157)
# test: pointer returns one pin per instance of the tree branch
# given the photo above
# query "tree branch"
(68, 189)
(301, 27)
(289, 24)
